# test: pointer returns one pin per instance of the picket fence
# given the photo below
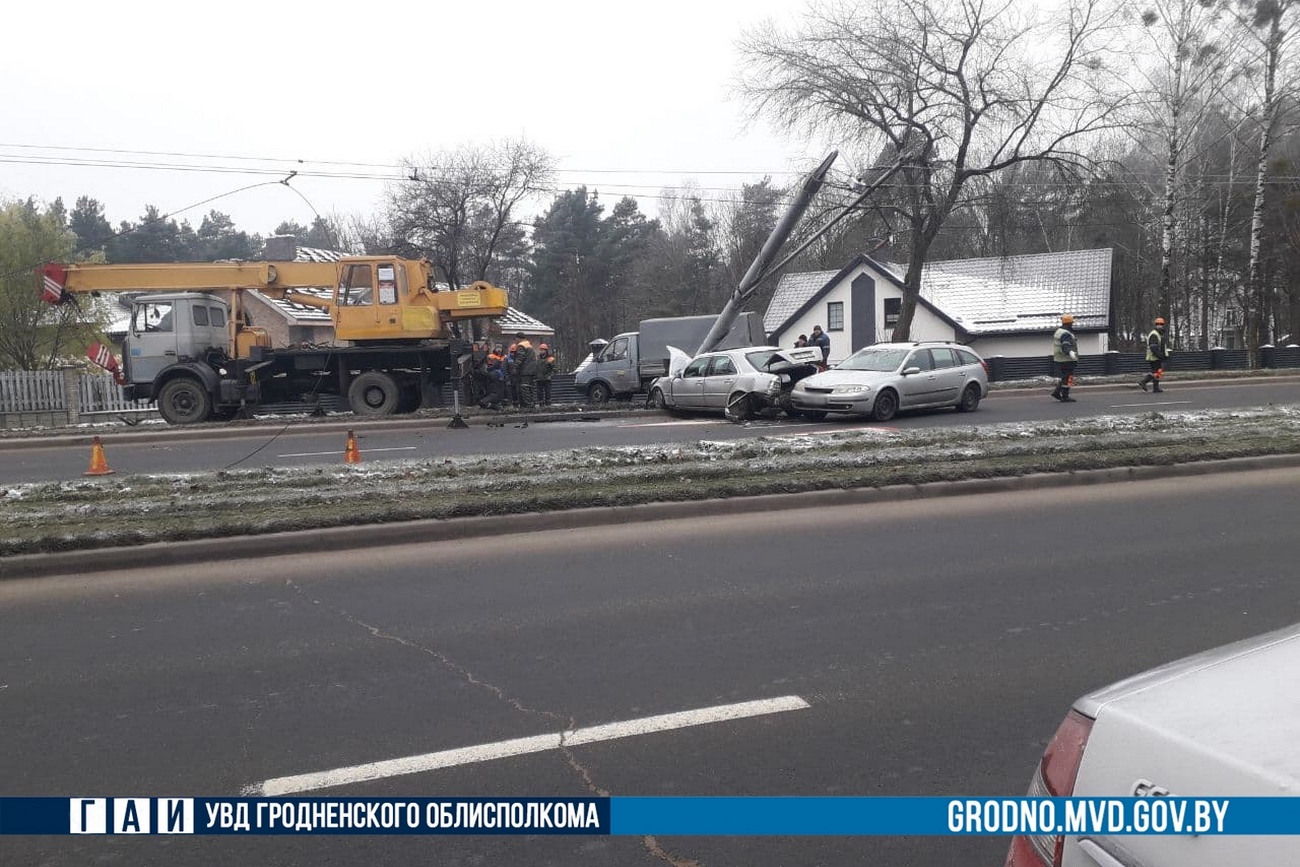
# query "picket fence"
(46, 391)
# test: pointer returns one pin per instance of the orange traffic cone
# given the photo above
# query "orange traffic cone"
(352, 454)
(98, 463)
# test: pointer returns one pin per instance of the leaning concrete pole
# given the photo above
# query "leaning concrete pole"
(780, 233)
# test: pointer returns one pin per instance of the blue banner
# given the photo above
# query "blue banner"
(688, 816)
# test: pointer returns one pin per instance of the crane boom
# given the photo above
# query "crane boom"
(371, 298)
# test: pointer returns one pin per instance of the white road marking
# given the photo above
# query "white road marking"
(856, 429)
(1148, 403)
(522, 746)
(340, 451)
(677, 423)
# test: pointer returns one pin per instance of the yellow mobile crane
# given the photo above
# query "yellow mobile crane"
(194, 352)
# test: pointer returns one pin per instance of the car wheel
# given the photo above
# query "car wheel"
(740, 407)
(599, 393)
(184, 401)
(970, 398)
(885, 407)
(813, 414)
(657, 400)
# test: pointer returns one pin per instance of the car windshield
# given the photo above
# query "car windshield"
(882, 360)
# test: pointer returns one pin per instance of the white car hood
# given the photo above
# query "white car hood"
(677, 361)
(832, 378)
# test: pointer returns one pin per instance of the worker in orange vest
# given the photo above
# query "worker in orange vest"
(495, 368)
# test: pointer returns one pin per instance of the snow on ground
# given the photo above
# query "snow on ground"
(624, 464)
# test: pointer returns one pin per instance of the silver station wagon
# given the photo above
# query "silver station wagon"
(880, 380)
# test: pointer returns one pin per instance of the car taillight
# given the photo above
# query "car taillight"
(1054, 778)
(984, 364)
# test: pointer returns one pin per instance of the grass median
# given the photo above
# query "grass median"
(125, 510)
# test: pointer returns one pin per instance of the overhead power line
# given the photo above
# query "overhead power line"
(400, 174)
(398, 170)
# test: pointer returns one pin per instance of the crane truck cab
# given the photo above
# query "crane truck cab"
(171, 330)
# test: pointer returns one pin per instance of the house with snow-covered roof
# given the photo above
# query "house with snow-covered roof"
(998, 306)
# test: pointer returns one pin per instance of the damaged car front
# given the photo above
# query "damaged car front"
(740, 383)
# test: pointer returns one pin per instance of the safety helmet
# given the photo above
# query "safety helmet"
(1160, 320)
(1067, 319)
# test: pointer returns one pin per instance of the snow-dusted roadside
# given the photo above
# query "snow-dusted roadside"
(126, 510)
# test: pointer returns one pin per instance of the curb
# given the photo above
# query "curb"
(59, 437)
(451, 529)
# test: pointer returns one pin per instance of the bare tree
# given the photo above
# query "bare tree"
(954, 90)
(459, 208)
(1184, 60)
(1269, 24)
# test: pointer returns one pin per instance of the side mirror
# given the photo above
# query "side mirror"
(911, 370)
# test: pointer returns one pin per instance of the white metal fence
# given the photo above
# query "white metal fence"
(31, 390)
(23, 391)
(99, 393)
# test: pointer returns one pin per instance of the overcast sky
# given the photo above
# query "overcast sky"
(627, 97)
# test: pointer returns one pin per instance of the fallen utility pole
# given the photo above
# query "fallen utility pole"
(762, 267)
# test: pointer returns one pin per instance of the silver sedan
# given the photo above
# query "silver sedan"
(882, 379)
(739, 383)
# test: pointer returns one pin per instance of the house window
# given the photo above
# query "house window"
(893, 307)
(835, 316)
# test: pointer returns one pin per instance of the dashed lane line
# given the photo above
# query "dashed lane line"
(1149, 403)
(522, 746)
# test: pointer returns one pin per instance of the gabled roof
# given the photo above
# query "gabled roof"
(517, 320)
(114, 310)
(797, 293)
(999, 295)
(315, 254)
(301, 314)
(1023, 293)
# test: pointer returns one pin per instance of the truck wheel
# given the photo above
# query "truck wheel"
(374, 394)
(599, 393)
(184, 401)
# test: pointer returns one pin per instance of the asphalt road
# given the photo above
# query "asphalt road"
(164, 450)
(937, 643)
